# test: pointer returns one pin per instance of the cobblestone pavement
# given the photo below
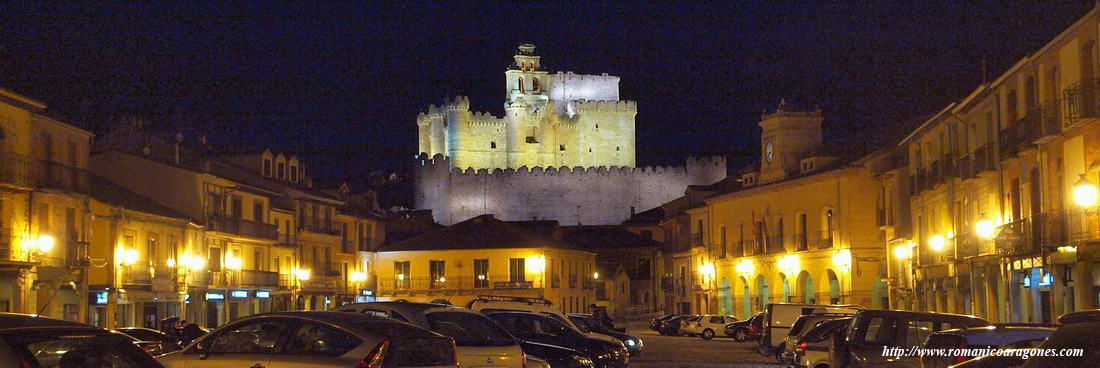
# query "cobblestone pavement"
(684, 351)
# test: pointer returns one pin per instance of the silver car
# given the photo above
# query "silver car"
(480, 341)
(316, 339)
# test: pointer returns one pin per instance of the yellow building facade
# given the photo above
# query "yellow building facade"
(486, 256)
(43, 210)
(800, 229)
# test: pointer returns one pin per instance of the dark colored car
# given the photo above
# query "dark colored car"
(589, 324)
(543, 329)
(557, 356)
(655, 324)
(874, 330)
(671, 326)
(749, 329)
(34, 341)
(1079, 331)
(153, 341)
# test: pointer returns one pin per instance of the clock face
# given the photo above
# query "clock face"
(769, 151)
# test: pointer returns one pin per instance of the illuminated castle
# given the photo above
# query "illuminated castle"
(564, 150)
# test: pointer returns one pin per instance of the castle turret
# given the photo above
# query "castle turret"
(458, 129)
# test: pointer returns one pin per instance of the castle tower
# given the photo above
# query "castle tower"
(788, 134)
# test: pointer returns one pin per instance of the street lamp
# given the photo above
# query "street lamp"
(303, 274)
(1084, 192)
(936, 242)
(45, 243)
(984, 229)
(902, 252)
(595, 275)
(129, 256)
(843, 259)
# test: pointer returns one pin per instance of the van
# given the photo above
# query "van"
(873, 335)
(779, 317)
(503, 303)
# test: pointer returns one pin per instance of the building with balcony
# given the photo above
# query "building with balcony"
(998, 228)
(801, 226)
(486, 256)
(43, 210)
(141, 257)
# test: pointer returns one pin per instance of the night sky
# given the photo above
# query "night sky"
(342, 83)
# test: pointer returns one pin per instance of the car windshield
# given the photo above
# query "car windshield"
(581, 323)
(144, 335)
(72, 349)
(469, 329)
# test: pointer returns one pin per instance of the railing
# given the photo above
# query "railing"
(392, 284)
(286, 241)
(138, 274)
(1051, 118)
(1045, 230)
(1082, 100)
(164, 272)
(22, 170)
(5, 244)
(241, 227)
(259, 278)
(697, 240)
(331, 268)
(319, 283)
(1008, 142)
(321, 229)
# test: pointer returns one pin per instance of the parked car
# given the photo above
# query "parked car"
(556, 356)
(589, 324)
(153, 341)
(480, 341)
(491, 303)
(655, 324)
(706, 325)
(799, 329)
(671, 327)
(35, 341)
(1009, 358)
(872, 331)
(988, 337)
(812, 350)
(749, 329)
(316, 339)
(1079, 330)
(544, 329)
(779, 317)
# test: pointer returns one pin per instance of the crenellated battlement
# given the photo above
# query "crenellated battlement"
(693, 164)
(586, 106)
(482, 118)
(457, 103)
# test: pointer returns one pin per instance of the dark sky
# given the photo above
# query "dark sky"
(342, 83)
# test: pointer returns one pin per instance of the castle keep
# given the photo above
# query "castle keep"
(564, 150)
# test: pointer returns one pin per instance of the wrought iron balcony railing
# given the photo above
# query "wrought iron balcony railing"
(241, 227)
(259, 278)
(24, 171)
(393, 284)
(1082, 100)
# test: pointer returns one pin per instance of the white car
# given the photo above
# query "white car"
(707, 325)
(480, 341)
(316, 339)
(492, 303)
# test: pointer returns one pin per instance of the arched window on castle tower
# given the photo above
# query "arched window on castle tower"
(535, 85)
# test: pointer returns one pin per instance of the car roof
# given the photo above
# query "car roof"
(1092, 315)
(400, 306)
(364, 323)
(891, 312)
(19, 320)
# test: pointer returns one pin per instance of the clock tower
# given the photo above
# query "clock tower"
(788, 133)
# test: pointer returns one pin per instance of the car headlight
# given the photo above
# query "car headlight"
(582, 361)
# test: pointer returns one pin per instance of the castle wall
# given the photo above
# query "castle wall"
(569, 87)
(593, 196)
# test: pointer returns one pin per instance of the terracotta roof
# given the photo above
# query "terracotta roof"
(604, 237)
(482, 232)
(105, 191)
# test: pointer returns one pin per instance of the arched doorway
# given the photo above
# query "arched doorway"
(761, 292)
(786, 288)
(746, 299)
(834, 287)
(725, 297)
(804, 287)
